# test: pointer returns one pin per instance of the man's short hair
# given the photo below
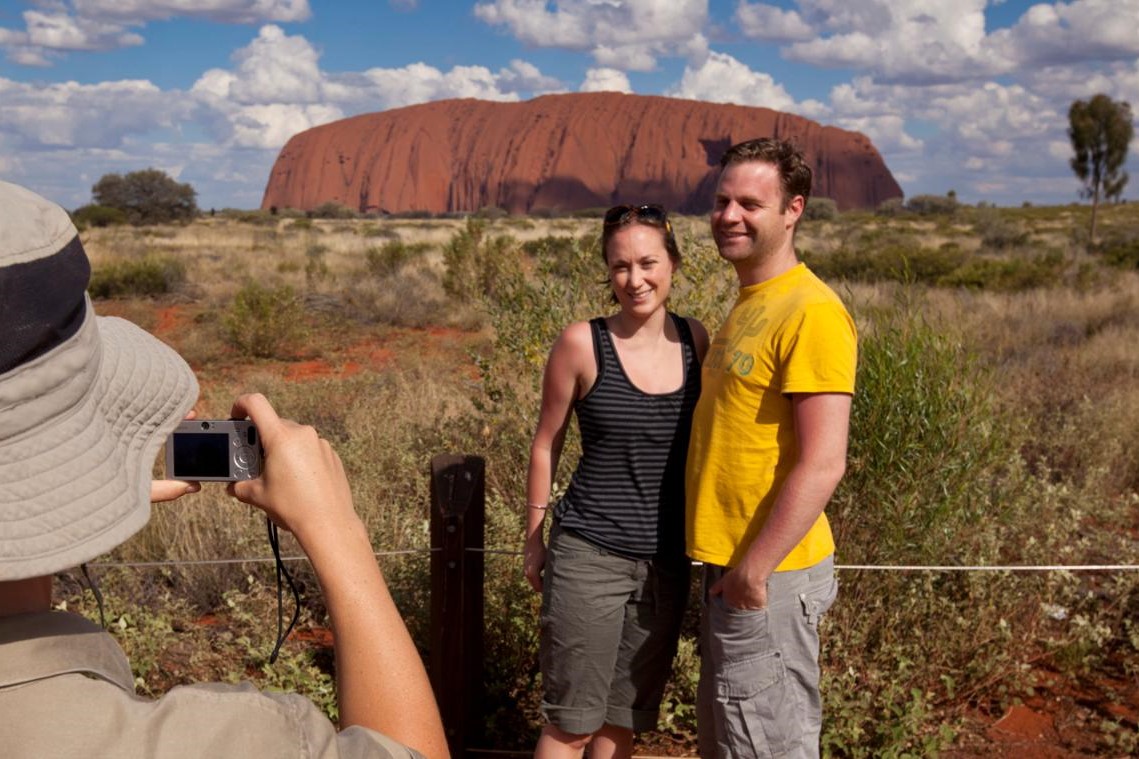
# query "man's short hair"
(794, 173)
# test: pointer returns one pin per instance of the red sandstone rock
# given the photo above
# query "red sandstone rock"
(559, 152)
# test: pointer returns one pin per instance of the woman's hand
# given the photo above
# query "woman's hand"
(169, 490)
(302, 487)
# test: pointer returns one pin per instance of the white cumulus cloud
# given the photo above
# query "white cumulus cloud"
(223, 11)
(277, 88)
(620, 34)
(768, 22)
(76, 115)
(605, 80)
(100, 25)
(723, 79)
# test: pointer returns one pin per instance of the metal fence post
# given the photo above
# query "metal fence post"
(458, 507)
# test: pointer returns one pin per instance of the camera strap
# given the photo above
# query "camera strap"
(275, 543)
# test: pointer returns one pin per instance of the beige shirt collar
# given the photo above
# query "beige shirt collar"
(45, 644)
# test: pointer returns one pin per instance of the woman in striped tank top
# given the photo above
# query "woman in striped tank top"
(614, 580)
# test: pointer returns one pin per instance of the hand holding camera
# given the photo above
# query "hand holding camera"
(214, 450)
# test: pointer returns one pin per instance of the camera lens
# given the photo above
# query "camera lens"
(205, 425)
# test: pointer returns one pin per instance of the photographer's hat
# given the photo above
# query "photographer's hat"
(86, 402)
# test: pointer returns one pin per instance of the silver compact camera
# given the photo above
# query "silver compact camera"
(213, 450)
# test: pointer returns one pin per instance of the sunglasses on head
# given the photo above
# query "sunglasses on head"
(653, 214)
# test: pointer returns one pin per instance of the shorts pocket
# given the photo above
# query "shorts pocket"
(758, 708)
(818, 601)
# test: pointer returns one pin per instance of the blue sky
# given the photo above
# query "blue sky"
(968, 95)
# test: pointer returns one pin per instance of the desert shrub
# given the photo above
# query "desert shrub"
(1120, 252)
(391, 256)
(301, 225)
(412, 214)
(820, 209)
(374, 230)
(560, 255)
(518, 222)
(262, 218)
(890, 207)
(151, 275)
(476, 265)
(1007, 274)
(931, 205)
(98, 216)
(332, 210)
(890, 263)
(594, 212)
(491, 212)
(316, 267)
(916, 424)
(264, 322)
(931, 452)
(997, 230)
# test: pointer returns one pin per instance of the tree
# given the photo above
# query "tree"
(149, 196)
(1100, 130)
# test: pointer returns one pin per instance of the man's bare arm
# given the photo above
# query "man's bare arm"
(822, 421)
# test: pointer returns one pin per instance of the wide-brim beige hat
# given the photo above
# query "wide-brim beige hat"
(86, 402)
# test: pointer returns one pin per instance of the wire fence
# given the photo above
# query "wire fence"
(515, 552)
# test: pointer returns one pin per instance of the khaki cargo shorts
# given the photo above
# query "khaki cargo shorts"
(609, 627)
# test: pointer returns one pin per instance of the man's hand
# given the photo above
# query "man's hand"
(534, 560)
(739, 591)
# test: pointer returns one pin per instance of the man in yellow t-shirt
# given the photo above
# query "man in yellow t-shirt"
(768, 448)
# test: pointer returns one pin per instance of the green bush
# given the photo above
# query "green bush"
(931, 480)
(333, 210)
(147, 276)
(890, 207)
(491, 212)
(998, 230)
(477, 265)
(98, 216)
(932, 205)
(1122, 253)
(1008, 274)
(820, 209)
(316, 267)
(890, 263)
(374, 230)
(265, 322)
(391, 256)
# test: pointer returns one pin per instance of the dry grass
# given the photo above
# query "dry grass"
(388, 372)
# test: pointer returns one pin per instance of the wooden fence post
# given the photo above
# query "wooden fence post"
(458, 508)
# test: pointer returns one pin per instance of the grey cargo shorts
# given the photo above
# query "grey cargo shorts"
(759, 672)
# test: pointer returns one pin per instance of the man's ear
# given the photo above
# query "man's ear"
(794, 209)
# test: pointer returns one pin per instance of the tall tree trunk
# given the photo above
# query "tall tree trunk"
(1095, 206)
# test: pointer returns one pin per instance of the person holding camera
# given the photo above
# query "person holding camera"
(614, 580)
(86, 403)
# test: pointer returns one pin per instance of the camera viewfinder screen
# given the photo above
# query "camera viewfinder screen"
(201, 454)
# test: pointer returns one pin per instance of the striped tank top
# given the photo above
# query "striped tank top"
(627, 493)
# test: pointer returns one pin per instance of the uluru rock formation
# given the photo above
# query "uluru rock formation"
(558, 152)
